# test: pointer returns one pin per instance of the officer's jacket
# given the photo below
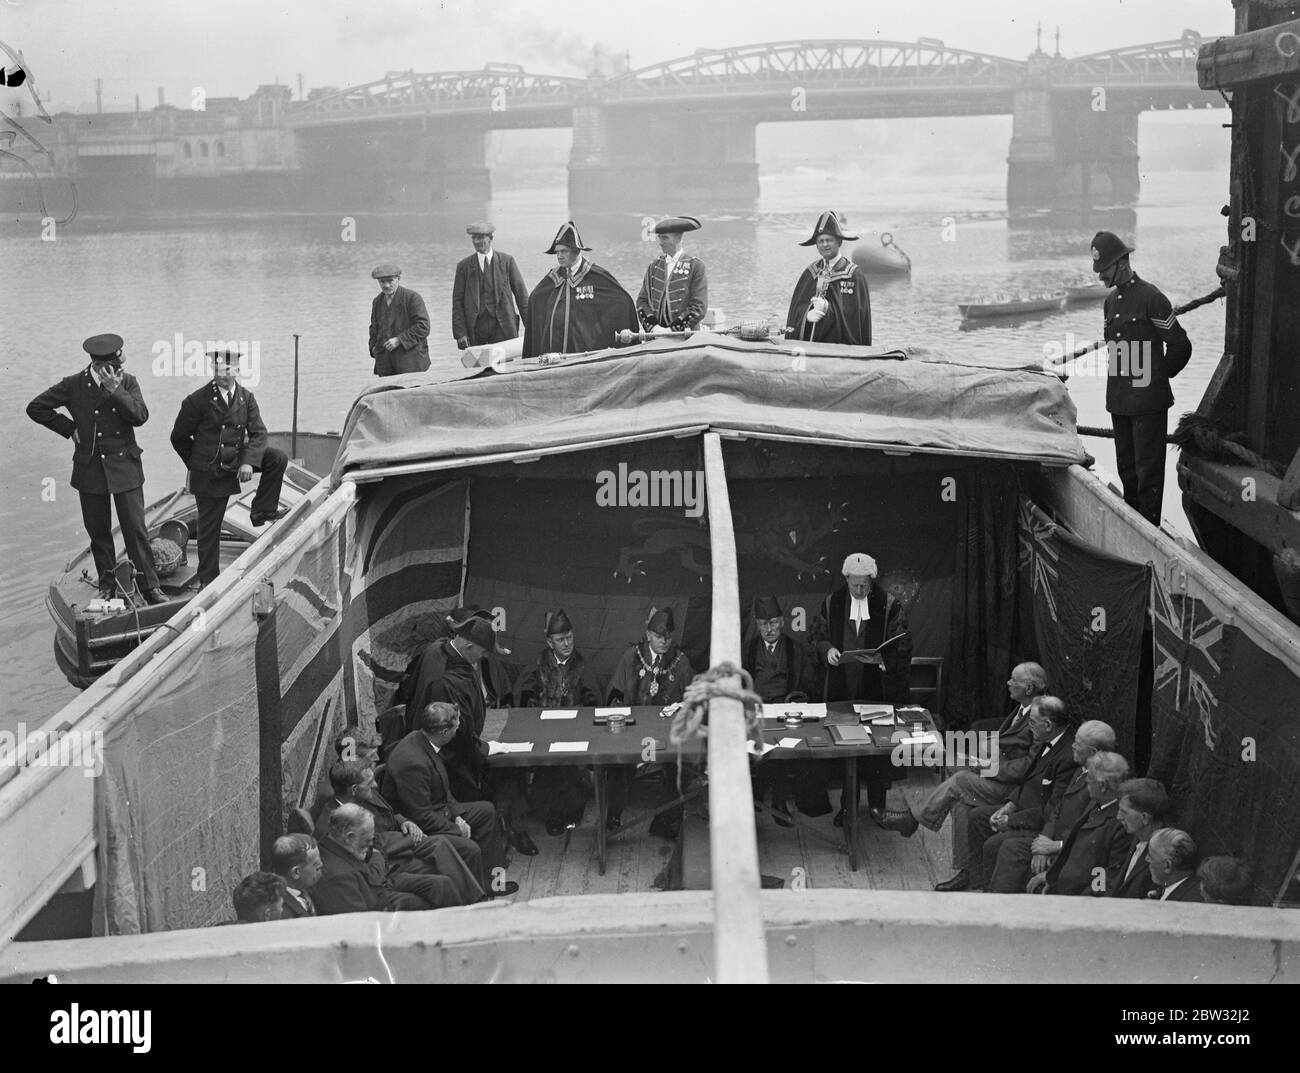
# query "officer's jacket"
(1147, 347)
(688, 292)
(106, 457)
(214, 440)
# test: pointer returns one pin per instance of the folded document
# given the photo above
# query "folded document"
(497, 747)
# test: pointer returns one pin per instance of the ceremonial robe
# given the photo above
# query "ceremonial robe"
(569, 313)
(848, 315)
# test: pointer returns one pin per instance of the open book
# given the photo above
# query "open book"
(854, 653)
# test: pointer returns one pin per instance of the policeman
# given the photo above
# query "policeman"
(1148, 347)
(106, 408)
(674, 292)
(220, 437)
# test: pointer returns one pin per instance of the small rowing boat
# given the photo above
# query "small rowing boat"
(1006, 305)
(1086, 292)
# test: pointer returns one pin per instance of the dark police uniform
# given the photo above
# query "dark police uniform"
(1138, 395)
(105, 462)
(214, 440)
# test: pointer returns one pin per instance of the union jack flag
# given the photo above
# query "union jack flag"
(1189, 651)
(1039, 554)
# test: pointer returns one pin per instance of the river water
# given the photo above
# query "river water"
(262, 279)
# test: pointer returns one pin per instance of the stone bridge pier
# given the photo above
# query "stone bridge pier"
(412, 166)
(1068, 156)
(629, 159)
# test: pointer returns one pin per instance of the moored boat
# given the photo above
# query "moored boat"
(1086, 292)
(1008, 305)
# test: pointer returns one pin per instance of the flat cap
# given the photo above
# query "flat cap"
(387, 270)
(675, 225)
(860, 565)
(481, 227)
(107, 345)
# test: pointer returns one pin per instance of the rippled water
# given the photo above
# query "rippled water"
(264, 279)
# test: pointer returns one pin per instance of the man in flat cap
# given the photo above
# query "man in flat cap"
(674, 293)
(487, 288)
(1148, 347)
(399, 326)
(653, 671)
(782, 669)
(220, 436)
(578, 305)
(559, 679)
(106, 408)
(860, 615)
(831, 303)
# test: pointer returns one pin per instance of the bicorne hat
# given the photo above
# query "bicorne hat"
(766, 607)
(558, 623)
(480, 632)
(660, 621)
(568, 236)
(829, 223)
(1107, 248)
(460, 618)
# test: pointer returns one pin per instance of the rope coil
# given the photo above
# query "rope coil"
(688, 721)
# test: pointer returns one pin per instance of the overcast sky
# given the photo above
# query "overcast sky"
(229, 47)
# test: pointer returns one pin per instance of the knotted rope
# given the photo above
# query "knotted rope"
(688, 721)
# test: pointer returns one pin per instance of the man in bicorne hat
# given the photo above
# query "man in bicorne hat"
(106, 408)
(220, 436)
(831, 303)
(860, 616)
(558, 680)
(578, 305)
(1147, 348)
(674, 293)
(451, 669)
(487, 288)
(653, 671)
(782, 670)
(399, 325)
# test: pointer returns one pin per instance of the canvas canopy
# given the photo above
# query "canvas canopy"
(830, 393)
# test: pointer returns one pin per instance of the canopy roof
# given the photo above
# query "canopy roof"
(854, 395)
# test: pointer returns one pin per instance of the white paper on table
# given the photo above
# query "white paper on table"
(497, 747)
(928, 738)
(560, 713)
(882, 721)
(789, 743)
(875, 711)
(607, 712)
(808, 711)
(569, 746)
(759, 749)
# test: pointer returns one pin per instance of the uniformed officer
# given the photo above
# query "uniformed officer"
(831, 301)
(675, 292)
(1147, 348)
(220, 437)
(106, 408)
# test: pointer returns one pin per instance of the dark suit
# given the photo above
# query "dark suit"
(350, 885)
(297, 905)
(1007, 854)
(1097, 841)
(1138, 881)
(105, 463)
(1048, 778)
(417, 780)
(459, 859)
(1189, 890)
(214, 439)
(777, 675)
(405, 319)
(483, 303)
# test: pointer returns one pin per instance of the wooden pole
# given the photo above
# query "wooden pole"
(739, 940)
(293, 438)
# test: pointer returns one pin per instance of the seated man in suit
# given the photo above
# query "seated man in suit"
(558, 680)
(1172, 857)
(356, 877)
(296, 860)
(258, 897)
(417, 781)
(1025, 843)
(1097, 847)
(861, 615)
(1027, 681)
(782, 669)
(1053, 731)
(406, 847)
(1144, 808)
(1226, 881)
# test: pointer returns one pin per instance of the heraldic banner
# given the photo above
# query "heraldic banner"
(1225, 738)
(1089, 611)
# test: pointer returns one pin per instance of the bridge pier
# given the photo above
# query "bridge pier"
(1067, 157)
(627, 160)
(405, 167)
